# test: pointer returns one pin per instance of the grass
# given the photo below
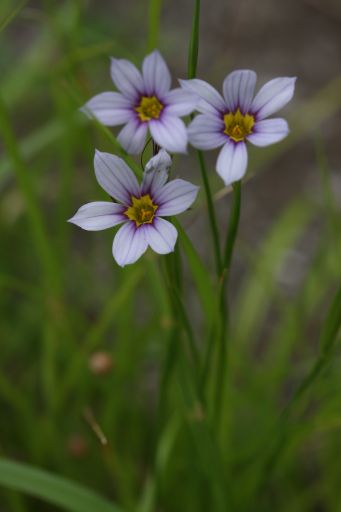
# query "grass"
(63, 298)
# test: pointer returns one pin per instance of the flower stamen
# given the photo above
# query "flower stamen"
(142, 210)
(149, 108)
(238, 125)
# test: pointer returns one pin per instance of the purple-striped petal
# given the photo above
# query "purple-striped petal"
(268, 132)
(232, 162)
(156, 75)
(98, 215)
(206, 132)
(127, 78)
(156, 172)
(180, 102)
(161, 236)
(273, 96)
(238, 89)
(110, 108)
(210, 101)
(129, 244)
(170, 133)
(132, 137)
(175, 197)
(115, 177)
(162, 161)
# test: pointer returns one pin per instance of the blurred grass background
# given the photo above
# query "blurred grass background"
(84, 343)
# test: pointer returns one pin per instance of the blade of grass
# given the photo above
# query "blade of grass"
(10, 16)
(53, 489)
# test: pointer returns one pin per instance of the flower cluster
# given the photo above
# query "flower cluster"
(146, 103)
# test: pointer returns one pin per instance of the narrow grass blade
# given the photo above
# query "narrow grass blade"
(53, 489)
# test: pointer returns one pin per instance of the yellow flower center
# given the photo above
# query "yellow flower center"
(238, 125)
(149, 108)
(142, 210)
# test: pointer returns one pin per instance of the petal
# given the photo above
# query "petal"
(98, 215)
(127, 78)
(206, 132)
(132, 137)
(180, 102)
(161, 236)
(176, 197)
(232, 162)
(273, 96)
(129, 244)
(156, 75)
(238, 89)
(268, 132)
(156, 172)
(211, 101)
(162, 161)
(170, 133)
(110, 108)
(115, 177)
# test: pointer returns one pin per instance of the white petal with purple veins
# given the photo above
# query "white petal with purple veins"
(273, 96)
(156, 75)
(232, 162)
(268, 132)
(238, 89)
(170, 133)
(115, 177)
(132, 137)
(98, 215)
(161, 236)
(211, 102)
(160, 162)
(180, 102)
(127, 78)
(156, 172)
(110, 108)
(175, 197)
(206, 132)
(129, 244)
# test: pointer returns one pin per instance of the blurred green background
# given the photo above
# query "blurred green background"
(83, 343)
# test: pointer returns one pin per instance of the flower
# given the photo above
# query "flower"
(139, 207)
(144, 101)
(236, 117)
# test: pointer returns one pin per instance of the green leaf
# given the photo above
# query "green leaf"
(53, 489)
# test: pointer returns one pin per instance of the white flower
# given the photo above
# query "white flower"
(139, 207)
(144, 101)
(237, 117)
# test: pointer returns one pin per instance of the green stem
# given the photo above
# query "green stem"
(211, 213)
(223, 305)
(154, 24)
(232, 229)
(193, 52)
(178, 309)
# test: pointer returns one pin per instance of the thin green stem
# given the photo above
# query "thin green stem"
(193, 50)
(153, 24)
(232, 228)
(178, 309)
(223, 304)
(211, 213)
